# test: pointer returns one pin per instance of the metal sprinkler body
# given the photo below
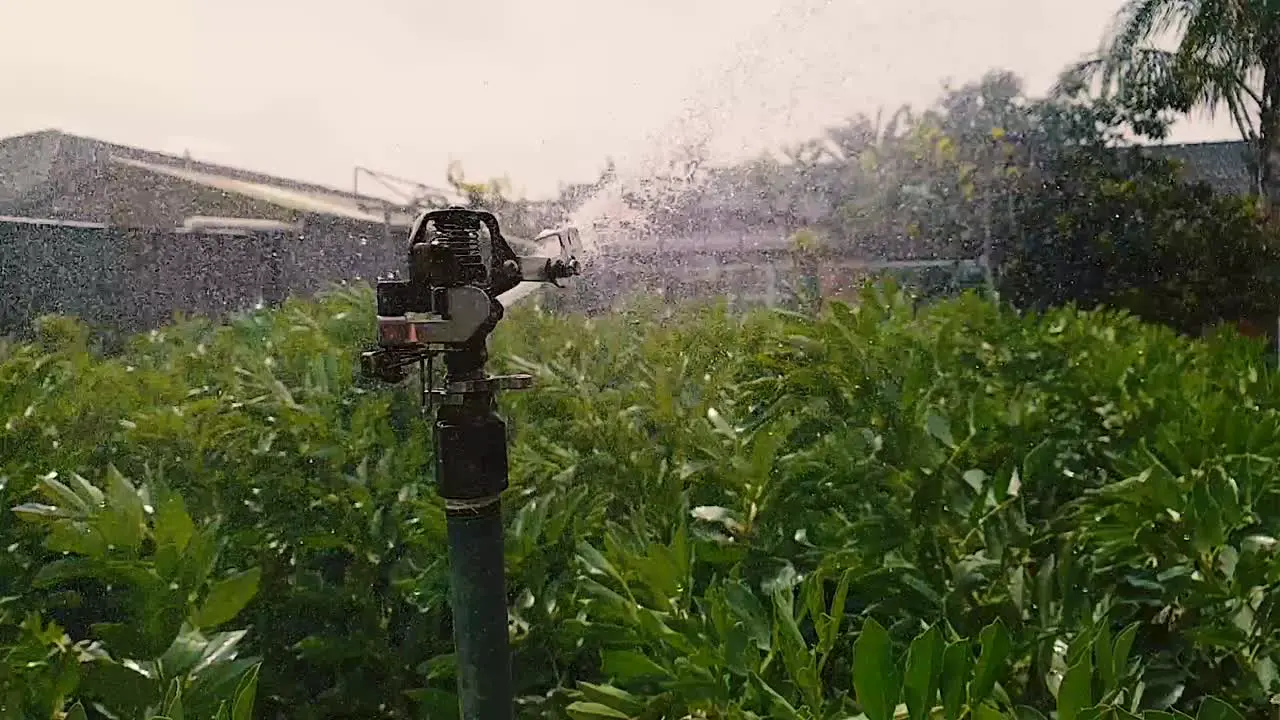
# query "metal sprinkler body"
(459, 264)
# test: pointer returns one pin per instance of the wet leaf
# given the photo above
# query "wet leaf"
(227, 598)
(875, 674)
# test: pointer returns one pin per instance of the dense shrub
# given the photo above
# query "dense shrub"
(710, 513)
(1127, 232)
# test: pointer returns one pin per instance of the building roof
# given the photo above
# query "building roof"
(28, 161)
(1226, 166)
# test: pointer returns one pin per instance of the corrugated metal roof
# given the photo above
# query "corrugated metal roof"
(284, 197)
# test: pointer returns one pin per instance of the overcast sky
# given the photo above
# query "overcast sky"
(539, 90)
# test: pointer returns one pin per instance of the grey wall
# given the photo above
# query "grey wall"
(129, 280)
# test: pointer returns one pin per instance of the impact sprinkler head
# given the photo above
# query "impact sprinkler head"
(459, 263)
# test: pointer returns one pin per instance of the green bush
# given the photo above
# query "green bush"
(133, 560)
(711, 515)
(1127, 231)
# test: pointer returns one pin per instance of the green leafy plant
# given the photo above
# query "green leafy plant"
(939, 510)
(129, 574)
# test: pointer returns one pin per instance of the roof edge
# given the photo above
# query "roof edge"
(157, 157)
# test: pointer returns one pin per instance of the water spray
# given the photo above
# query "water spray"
(459, 264)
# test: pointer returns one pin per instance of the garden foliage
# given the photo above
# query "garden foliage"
(952, 511)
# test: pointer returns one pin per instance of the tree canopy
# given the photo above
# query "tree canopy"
(1224, 56)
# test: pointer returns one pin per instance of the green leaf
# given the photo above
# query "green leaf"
(183, 654)
(923, 674)
(215, 684)
(628, 665)
(86, 490)
(217, 654)
(63, 496)
(1075, 694)
(797, 657)
(245, 692)
(975, 479)
(779, 707)
(986, 712)
(1026, 712)
(940, 428)
(1120, 651)
(747, 607)
(78, 537)
(39, 512)
(70, 568)
(657, 571)
(1165, 715)
(129, 691)
(957, 666)
(122, 521)
(227, 598)
(173, 526)
(1103, 658)
(831, 629)
(147, 636)
(77, 713)
(611, 696)
(588, 710)
(171, 707)
(199, 557)
(597, 562)
(721, 425)
(1211, 708)
(995, 644)
(435, 703)
(875, 675)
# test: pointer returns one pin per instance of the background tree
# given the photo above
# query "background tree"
(1051, 188)
(1226, 56)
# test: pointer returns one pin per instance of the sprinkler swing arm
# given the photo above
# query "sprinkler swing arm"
(459, 264)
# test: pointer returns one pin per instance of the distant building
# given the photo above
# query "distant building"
(1226, 166)
(123, 236)
(59, 176)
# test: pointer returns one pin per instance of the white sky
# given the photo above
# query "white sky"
(544, 89)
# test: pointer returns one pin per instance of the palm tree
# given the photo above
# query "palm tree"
(1227, 57)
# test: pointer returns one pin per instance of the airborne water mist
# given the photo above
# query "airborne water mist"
(669, 163)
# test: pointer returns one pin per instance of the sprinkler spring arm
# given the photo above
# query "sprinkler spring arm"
(448, 307)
